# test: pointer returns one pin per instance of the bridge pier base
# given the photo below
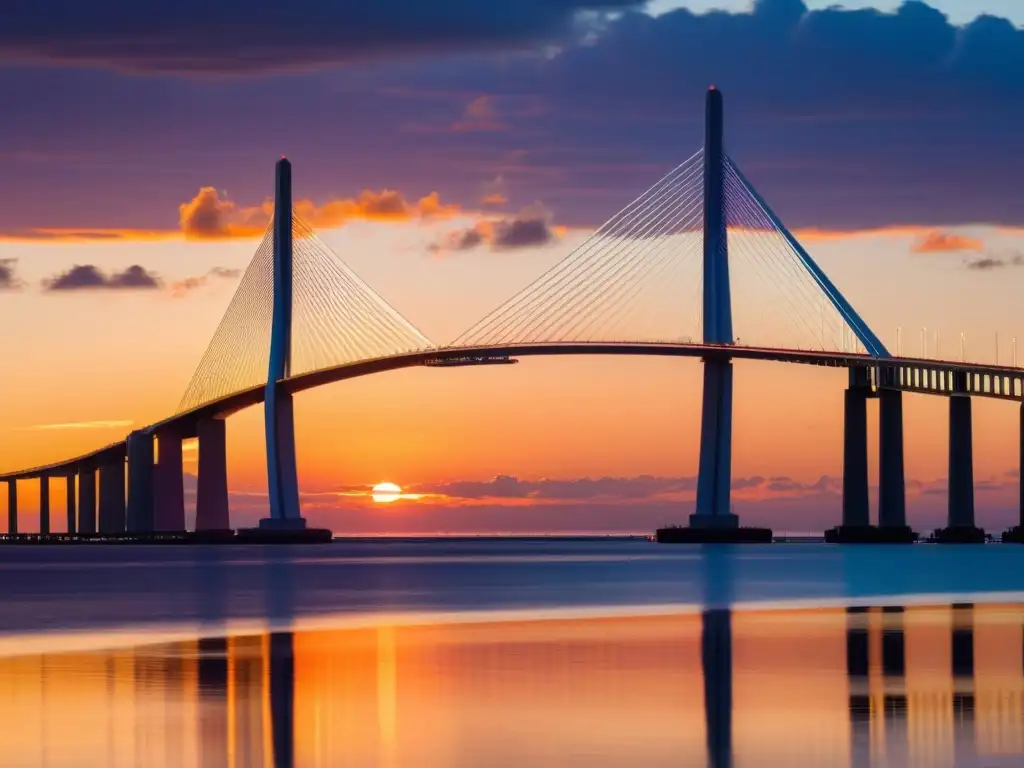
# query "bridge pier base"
(112, 498)
(72, 516)
(87, 500)
(212, 514)
(960, 522)
(140, 512)
(12, 506)
(44, 505)
(169, 484)
(856, 506)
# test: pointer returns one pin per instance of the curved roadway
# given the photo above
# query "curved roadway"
(185, 423)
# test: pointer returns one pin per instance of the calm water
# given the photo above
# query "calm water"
(611, 653)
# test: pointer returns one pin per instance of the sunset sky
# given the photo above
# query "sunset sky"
(136, 162)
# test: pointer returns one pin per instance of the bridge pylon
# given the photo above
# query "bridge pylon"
(282, 474)
(715, 474)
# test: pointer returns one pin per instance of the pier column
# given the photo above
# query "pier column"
(856, 507)
(12, 506)
(212, 500)
(87, 500)
(168, 483)
(112, 501)
(72, 512)
(44, 504)
(140, 482)
(961, 464)
(892, 499)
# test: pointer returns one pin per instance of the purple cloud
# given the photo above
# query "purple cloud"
(8, 277)
(86, 277)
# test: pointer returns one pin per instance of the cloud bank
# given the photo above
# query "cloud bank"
(86, 277)
(209, 216)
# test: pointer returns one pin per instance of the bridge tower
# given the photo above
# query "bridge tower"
(279, 416)
(714, 478)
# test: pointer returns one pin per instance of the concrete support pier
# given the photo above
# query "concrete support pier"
(140, 483)
(72, 512)
(87, 500)
(168, 484)
(960, 523)
(1016, 534)
(715, 474)
(856, 527)
(212, 500)
(856, 506)
(12, 506)
(44, 504)
(112, 498)
(892, 498)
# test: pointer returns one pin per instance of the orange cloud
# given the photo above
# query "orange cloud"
(209, 217)
(495, 199)
(945, 242)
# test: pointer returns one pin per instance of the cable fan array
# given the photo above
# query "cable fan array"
(639, 278)
(238, 356)
(626, 282)
(776, 301)
(337, 319)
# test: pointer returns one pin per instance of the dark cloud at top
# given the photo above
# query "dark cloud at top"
(262, 35)
(843, 119)
(84, 277)
(8, 277)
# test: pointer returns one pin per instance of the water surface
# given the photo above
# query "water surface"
(499, 653)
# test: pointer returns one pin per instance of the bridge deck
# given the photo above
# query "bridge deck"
(932, 377)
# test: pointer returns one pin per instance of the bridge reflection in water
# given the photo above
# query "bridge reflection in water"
(928, 686)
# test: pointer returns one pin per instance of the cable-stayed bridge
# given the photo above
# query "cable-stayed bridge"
(697, 266)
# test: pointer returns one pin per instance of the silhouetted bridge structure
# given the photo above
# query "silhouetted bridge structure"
(301, 318)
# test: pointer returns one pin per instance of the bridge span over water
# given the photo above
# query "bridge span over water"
(302, 319)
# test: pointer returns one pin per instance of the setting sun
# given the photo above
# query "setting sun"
(384, 493)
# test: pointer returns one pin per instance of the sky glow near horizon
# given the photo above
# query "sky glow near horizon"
(91, 361)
